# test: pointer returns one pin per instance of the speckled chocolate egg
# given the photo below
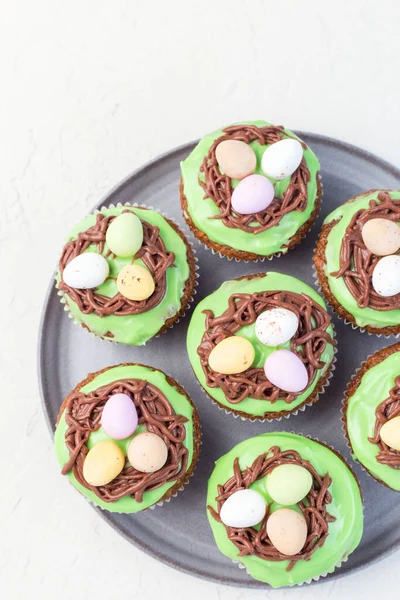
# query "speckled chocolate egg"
(390, 433)
(147, 452)
(119, 418)
(276, 326)
(232, 355)
(386, 276)
(103, 463)
(287, 530)
(280, 160)
(288, 484)
(381, 236)
(244, 508)
(284, 369)
(135, 282)
(86, 271)
(124, 235)
(236, 158)
(252, 195)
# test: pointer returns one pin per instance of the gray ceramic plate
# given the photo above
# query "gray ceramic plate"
(178, 533)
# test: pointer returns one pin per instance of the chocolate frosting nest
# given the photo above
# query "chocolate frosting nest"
(83, 416)
(251, 541)
(357, 263)
(309, 342)
(152, 252)
(386, 410)
(218, 187)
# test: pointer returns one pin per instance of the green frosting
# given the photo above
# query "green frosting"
(201, 209)
(344, 214)
(218, 303)
(180, 404)
(374, 388)
(346, 506)
(135, 330)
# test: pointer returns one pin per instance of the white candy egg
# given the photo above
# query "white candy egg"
(386, 276)
(244, 508)
(281, 159)
(86, 271)
(276, 326)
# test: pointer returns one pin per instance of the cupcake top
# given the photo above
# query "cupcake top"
(127, 438)
(372, 416)
(125, 272)
(287, 507)
(361, 243)
(262, 345)
(250, 187)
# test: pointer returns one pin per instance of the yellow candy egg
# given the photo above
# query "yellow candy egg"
(103, 463)
(236, 158)
(390, 433)
(381, 236)
(147, 452)
(287, 530)
(135, 282)
(234, 354)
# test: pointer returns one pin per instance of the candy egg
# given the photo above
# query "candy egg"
(236, 158)
(119, 418)
(245, 508)
(147, 452)
(287, 531)
(390, 433)
(103, 463)
(135, 282)
(86, 271)
(253, 194)
(288, 484)
(386, 276)
(284, 369)
(124, 235)
(381, 236)
(234, 354)
(276, 326)
(281, 159)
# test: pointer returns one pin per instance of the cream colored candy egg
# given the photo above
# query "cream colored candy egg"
(386, 276)
(124, 235)
(234, 354)
(86, 271)
(237, 159)
(103, 463)
(147, 452)
(280, 160)
(381, 236)
(390, 433)
(245, 508)
(135, 282)
(276, 326)
(287, 531)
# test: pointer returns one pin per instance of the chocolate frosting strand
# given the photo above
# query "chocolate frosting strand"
(83, 416)
(357, 263)
(308, 343)
(388, 409)
(153, 254)
(248, 540)
(218, 187)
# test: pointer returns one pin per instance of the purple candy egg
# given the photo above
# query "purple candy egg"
(119, 419)
(285, 370)
(253, 194)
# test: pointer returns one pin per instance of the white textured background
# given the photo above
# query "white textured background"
(90, 90)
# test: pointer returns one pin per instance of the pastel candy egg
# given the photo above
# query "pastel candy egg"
(287, 531)
(86, 271)
(147, 452)
(288, 484)
(245, 508)
(276, 326)
(280, 160)
(124, 235)
(234, 354)
(390, 433)
(103, 463)
(135, 282)
(284, 369)
(252, 195)
(119, 418)
(236, 158)
(381, 236)
(386, 276)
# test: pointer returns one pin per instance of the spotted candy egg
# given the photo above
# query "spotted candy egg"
(285, 370)
(124, 235)
(147, 452)
(135, 282)
(232, 355)
(103, 463)
(386, 276)
(381, 236)
(236, 158)
(119, 418)
(280, 160)
(252, 195)
(86, 271)
(276, 326)
(244, 508)
(287, 530)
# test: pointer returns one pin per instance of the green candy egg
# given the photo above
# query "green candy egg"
(288, 484)
(125, 235)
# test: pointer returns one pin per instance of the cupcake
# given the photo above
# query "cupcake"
(286, 507)
(262, 346)
(126, 274)
(251, 190)
(358, 264)
(371, 416)
(128, 437)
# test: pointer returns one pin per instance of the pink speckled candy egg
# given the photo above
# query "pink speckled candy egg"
(285, 370)
(119, 419)
(253, 194)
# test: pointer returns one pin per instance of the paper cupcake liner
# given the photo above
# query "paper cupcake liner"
(190, 300)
